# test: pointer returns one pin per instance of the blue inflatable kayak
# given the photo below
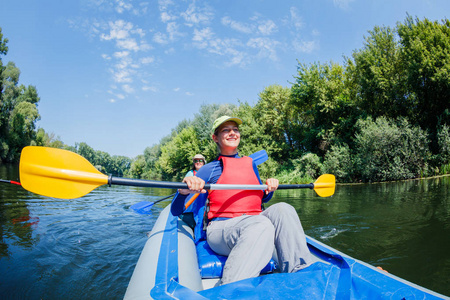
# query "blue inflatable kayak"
(171, 266)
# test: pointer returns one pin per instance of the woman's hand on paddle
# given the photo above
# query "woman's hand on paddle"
(272, 185)
(195, 185)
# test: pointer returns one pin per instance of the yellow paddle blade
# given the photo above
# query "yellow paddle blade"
(325, 185)
(58, 173)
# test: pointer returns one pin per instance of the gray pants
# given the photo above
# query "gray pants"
(249, 241)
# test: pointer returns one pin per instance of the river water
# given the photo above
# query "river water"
(87, 248)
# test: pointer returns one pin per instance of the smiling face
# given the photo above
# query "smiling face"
(198, 163)
(227, 138)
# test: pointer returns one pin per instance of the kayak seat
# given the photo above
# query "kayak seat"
(211, 264)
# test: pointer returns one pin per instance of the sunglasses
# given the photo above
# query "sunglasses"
(198, 161)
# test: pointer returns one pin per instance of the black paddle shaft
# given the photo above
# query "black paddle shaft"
(148, 183)
(296, 186)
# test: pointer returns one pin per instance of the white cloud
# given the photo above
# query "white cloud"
(195, 15)
(172, 30)
(299, 40)
(122, 6)
(118, 30)
(305, 46)
(124, 63)
(166, 17)
(122, 76)
(106, 56)
(189, 94)
(237, 59)
(128, 44)
(265, 46)
(127, 89)
(229, 46)
(112, 100)
(176, 89)
(160, 38)
(150, 88)
(123, 33)
(201, 37)
(169, 51)
(238, 26)
(139, 32)
(268, 27)
(164, 4)
(342, 4)
(147, 60)
(144, 46)
(121, 54)
(294, 19)
(205, 39)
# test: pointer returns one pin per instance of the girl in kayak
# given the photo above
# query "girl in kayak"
(236, 226)
(198, 161)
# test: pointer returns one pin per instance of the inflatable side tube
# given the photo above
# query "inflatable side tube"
(146, 271)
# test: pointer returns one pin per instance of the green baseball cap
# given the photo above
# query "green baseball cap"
(219, 121)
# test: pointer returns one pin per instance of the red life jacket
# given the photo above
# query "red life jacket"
(234, 203)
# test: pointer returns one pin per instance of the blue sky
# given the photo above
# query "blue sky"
(120, 74)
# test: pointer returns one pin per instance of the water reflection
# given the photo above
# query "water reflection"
(16, 221)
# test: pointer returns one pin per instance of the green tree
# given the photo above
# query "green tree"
(308, 165)
(426, 57)
(379, 77)
(253, 139)
(390, 150)
(338, 161)
(203, 121)
(102, 161)
(137, 167)
(119, 165)
(3, 51)
(273, 116)
(151, 155)
(443, 137)
(18, 109)
(18, 114)
(86, 151)
(176, 155)
(323, 110)
(48, 140)
(22, 127)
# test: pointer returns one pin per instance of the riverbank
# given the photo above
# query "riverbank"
(392, 181)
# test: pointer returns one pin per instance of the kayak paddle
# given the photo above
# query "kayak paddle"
(144, 207)
(63, 174)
